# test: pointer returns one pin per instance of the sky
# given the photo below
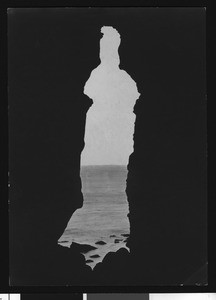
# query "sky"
(110, 120)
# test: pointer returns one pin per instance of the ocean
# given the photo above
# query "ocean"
(103, 217)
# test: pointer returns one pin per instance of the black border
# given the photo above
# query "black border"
(4, 283)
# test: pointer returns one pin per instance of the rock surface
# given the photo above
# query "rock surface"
(117, 241)
(100, 243)
(82, 248)
(95, 256)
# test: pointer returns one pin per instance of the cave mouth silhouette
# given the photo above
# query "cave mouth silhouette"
(166, 183)
(102, 225)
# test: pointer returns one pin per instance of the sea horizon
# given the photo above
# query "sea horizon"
(103, 216)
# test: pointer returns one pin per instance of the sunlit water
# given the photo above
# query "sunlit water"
(103, 216)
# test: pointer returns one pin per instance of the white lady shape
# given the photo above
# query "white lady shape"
(108, 145)
(110, 120)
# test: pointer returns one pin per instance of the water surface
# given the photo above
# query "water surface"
(103, 216)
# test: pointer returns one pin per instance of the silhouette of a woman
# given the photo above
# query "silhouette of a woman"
(110, 120)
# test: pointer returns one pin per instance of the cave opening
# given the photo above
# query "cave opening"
(101, 225)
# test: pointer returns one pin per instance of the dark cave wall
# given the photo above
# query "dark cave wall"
(48, 67)
(51, 55)
(166, 186)
(167, 171)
